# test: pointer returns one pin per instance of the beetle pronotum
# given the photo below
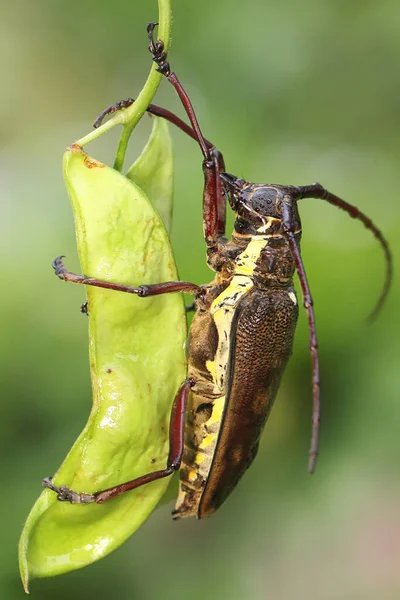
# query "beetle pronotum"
(242, 333)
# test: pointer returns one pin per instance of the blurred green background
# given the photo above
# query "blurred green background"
(292, 92)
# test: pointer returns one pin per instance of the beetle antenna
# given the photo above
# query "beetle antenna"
(316, 190)
(288, 230)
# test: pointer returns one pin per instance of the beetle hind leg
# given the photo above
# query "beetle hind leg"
(176, 444)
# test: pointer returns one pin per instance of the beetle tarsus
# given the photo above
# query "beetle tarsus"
(58, 266)
(112, 109)
(64, 494)
(157, 50)
(84, 308)
(62, 272)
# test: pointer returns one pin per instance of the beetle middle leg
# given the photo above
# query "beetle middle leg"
(176, 444)
(143, 291)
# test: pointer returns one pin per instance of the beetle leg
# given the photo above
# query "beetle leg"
(159, 56)
(153, 289)
(112, 109)
(213, 165)
(176, 444)
(288, 229)
(316, 190)
(155, 110)
(214, 206)
(214, 200)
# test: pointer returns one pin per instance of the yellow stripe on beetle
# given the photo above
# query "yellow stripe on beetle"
(246, 261)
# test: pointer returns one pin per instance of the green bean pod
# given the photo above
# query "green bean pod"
(137, 361)
(153, 173)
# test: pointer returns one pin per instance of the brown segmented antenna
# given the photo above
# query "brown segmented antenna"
(316, 190)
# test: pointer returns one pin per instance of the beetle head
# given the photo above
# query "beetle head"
(257, 205)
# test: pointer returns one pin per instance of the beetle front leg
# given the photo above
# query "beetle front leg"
(143, 291)
(214, 205)
(159, 55)
(176, 444)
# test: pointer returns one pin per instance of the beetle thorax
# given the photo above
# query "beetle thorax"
(266, 259)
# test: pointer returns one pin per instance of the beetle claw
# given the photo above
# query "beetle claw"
(48, 482)
(58, 266)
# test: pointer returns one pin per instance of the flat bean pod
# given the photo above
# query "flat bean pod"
(137, 360)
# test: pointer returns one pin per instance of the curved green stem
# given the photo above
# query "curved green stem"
(131, 116)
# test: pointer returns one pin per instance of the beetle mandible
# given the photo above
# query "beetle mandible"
(242, 333)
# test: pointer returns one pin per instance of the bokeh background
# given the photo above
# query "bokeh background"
(292, 92)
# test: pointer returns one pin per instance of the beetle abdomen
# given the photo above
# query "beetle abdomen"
(208, 363)
(238, 351)
(261, 343)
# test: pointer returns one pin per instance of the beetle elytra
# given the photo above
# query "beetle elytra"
(242, 333)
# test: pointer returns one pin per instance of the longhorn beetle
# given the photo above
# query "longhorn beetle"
(242, 333)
